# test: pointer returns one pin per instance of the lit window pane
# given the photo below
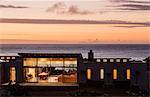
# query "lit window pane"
(30, 74)
(43, 61)
(29, 62)
(128, 73)
(115, 74)
(57, 62)
(101, 73)
(70, 62)
(12, 74)
(88, 74)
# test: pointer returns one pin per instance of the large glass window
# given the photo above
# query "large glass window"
(50, 70)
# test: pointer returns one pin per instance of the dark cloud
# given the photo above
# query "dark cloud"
(58, 8)
(12, 6)
(134, 7)
(75, 10)
(131, 5)
(129, 1)
(132, 26)
(53, 21)
(62, 8)
(117, 0)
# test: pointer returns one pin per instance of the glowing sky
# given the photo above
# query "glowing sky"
(110, 21)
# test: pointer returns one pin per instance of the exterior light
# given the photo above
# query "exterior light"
(98, 60)
(117, 60)
(111, 60)
(124, 60)
(104, 60)
(7, 57)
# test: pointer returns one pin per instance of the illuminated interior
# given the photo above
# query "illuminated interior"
(12, 74)
(30, 62)
(89, 74)
(115, 74)
(101, 73)
(128, 74)
(62, 70)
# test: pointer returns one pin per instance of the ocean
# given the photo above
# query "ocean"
(134, 51)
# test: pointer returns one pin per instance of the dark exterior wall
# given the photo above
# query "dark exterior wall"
(6, 73)
(2, 73)
(79, 70)
(140, 75)
(19, 70)
(82, 73)
(121, 71)
(94, 71)
(108, 70)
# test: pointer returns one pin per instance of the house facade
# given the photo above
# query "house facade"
(73, 68)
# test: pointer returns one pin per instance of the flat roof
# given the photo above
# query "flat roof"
(114, 58)
(51, 55)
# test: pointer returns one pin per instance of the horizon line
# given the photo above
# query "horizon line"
(75, 44)
(68, 21)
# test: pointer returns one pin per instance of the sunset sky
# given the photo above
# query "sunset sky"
(75, 21)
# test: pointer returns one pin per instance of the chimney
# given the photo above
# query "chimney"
(90, 55)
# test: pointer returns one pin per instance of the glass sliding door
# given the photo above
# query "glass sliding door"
(70, 70)
(30, 74)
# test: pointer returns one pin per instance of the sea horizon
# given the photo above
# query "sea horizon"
(134, 51)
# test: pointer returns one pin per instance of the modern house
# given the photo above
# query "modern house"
(73, 69)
